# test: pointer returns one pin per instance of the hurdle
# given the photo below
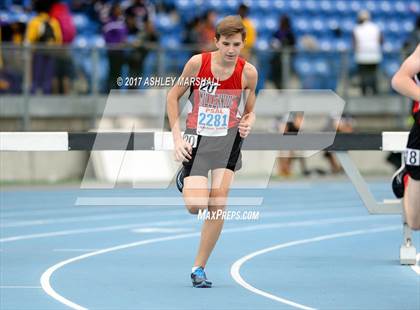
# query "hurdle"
(162, 141)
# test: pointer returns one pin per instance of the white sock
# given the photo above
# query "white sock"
(194, 268)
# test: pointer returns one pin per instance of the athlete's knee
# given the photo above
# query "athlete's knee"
(218, 198)
(195, 203)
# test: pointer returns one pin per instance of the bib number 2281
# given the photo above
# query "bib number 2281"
(212, 122)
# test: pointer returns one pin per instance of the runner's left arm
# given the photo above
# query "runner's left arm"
(250, 78)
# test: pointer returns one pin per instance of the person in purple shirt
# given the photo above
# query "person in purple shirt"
(115, 34)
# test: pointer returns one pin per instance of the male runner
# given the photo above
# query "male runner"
(214, 130)
(406, 181)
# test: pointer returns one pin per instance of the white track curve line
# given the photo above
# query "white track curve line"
(234, 270)
(416, 267)
(45, 278)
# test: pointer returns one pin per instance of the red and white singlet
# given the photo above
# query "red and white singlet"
(213, 103)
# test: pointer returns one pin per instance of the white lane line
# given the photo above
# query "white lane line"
(82, 218)
(165, 223)
(416, 267)
(90, 230)
(158, 201)
(155, 213)
(69, 209)
(150, 230)
(18, 287)
(75, 250)
(234, 270)
(46, 276)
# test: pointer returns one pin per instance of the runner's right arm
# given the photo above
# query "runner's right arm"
(403, 81)
(182, 148)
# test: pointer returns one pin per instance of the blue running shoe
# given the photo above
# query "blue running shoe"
(199, 279)
(180, 179)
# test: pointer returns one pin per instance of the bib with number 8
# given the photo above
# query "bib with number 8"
(213, 122)
(412, 157)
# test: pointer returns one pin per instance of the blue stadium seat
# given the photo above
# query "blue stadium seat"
(348, 24)
(385, 8)
(407, 26)
(341, 7)
(262, 44)
(186, 5)
(231, 6)
(214, 4)
(165, 24)
(393, 43)
(318, 25)
(342, 44)
(311, 6)
(390, 66)
(355, 6)
(371, 5)
(296, 6)
(5, 17)
(81, 41)
(326, 7)
(280, 6)
(400, 7)
(326, 44)
(270, 24)
(98, 41)
(333, 23)
(80, 21)
(303, 65)
(262, 6)
(170, 41)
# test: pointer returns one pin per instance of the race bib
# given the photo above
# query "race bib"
(191, 139)
(213, 122)
(412, 157)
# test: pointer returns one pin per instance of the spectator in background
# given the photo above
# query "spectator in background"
(367, 41)
(115, 34)
(141, 31)
(343, 124)
(251, 34)
(290, 125)
(4, 83)
(283, 39)
(208, 31)
(192, 34)
(97, 10)
(43, 30)
(13, 32)
(11, 70)
(64, 64)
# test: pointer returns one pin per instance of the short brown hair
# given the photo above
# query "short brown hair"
(229, 26)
